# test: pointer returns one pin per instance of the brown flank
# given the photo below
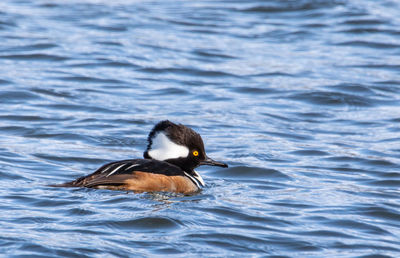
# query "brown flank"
(137, 181)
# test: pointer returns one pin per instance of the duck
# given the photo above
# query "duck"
(168, 165)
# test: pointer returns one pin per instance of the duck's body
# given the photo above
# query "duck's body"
(140, 175)
(171, 156)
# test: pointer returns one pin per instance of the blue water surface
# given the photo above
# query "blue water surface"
(300, 98)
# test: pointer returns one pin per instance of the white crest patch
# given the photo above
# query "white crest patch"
(162, 148)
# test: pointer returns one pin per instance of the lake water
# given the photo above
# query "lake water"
(300, 98)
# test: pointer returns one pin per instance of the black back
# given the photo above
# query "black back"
(143, 165)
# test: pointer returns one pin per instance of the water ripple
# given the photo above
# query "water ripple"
(300, 98)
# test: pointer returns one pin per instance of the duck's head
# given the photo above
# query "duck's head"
(178, 145)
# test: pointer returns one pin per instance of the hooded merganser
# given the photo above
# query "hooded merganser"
(172, 154)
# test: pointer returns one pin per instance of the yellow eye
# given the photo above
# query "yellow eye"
(195, 153)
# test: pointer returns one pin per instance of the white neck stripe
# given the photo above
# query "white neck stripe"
(199, 178)
(196, 179)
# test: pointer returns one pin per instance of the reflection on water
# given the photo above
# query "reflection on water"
(300, 98)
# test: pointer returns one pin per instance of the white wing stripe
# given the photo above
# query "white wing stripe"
(134, 165)
(115, 170)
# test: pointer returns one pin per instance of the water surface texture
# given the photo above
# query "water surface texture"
(300, 98)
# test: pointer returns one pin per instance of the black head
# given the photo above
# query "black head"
(178, 145)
